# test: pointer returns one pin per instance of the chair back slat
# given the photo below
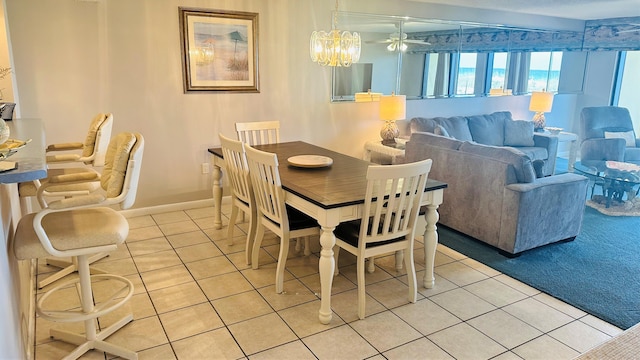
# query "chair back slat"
(392, 201)
(259, 132)
(237, 169)
(267, 187)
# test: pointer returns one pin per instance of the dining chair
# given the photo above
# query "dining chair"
(259, 132)
(272, 212)
(262, 133)
(391, 208)
(242, 197)
(80, 227)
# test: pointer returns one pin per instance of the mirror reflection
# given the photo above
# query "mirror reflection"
(426, 58)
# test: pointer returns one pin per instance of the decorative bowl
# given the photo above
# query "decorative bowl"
(553, 130)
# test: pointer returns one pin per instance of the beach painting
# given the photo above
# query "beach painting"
(220, 50)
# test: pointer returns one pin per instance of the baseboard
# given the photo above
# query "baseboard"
(172, 207)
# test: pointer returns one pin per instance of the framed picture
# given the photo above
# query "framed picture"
(219, 50)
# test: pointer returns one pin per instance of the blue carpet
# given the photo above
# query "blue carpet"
(598, 272)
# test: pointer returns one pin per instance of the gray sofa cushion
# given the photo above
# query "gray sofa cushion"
(436, 140)
(420, 124)
(456, 126)
(518, 133)
(521, 163)
(489, 129)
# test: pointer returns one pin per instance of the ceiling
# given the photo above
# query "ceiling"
(572, 9)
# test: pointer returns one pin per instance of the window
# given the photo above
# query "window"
(499, 70)
(477, 73)
(466, 78)
(544, 71)
(438, 69)
(626, 89)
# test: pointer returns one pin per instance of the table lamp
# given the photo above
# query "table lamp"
(392, 108)
(541, 103)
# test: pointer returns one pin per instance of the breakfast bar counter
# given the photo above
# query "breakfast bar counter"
(16, 280)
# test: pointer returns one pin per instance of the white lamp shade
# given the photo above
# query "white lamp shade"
(393, 107)
(541, 101)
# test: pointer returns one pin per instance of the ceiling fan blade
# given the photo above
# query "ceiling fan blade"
(419, 42)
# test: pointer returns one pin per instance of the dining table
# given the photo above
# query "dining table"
(331, 192)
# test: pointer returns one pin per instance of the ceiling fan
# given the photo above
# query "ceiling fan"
(394, 43)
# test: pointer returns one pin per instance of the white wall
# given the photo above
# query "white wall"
(73, 59)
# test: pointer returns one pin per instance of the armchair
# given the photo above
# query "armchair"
(606, 133)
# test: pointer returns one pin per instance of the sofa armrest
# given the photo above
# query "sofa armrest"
(548, 210)
(549, 142)
(602, 149)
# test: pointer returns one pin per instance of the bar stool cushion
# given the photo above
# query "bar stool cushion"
(74, 229)
(90, 140)
(115, 167)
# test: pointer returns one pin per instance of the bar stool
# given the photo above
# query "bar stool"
(80, 227)
(70, 181)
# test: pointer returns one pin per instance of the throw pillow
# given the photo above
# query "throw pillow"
(628, 136)
(518, 133)
(489, 129)
(456, 126)
(439, 130)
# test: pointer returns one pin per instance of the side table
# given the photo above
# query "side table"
(374, 150)
(571, 138)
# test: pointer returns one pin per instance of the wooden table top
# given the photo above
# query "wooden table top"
(341, 184)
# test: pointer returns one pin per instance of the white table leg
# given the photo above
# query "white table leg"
(326, 266)
(430, 244)
(217, 197)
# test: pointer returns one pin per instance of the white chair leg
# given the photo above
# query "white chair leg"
(411, 275)
(255, 253)
(307, 249)
(371, 267)
(282, 261)
(399, 258)
(251, 235)
(232, 224)
(303, 243)
(336, 253)
(362, 295)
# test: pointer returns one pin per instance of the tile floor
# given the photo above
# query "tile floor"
(196, 298)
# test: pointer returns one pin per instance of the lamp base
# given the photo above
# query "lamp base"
(538, 122)
(389, 132)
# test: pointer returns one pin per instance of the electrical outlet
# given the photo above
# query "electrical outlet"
(205, 168)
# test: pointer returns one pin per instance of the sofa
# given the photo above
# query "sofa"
(496, 129)
(494, 194)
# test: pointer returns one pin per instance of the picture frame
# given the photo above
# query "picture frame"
(219, 50)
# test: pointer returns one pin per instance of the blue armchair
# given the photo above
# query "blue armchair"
(606, 133)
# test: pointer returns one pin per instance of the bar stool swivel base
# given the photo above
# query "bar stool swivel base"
(89, 312)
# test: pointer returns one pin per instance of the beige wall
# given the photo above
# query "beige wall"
(75, 58)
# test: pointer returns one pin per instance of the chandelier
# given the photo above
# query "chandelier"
(335, 48)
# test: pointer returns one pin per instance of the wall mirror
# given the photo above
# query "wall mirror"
(430, 58)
